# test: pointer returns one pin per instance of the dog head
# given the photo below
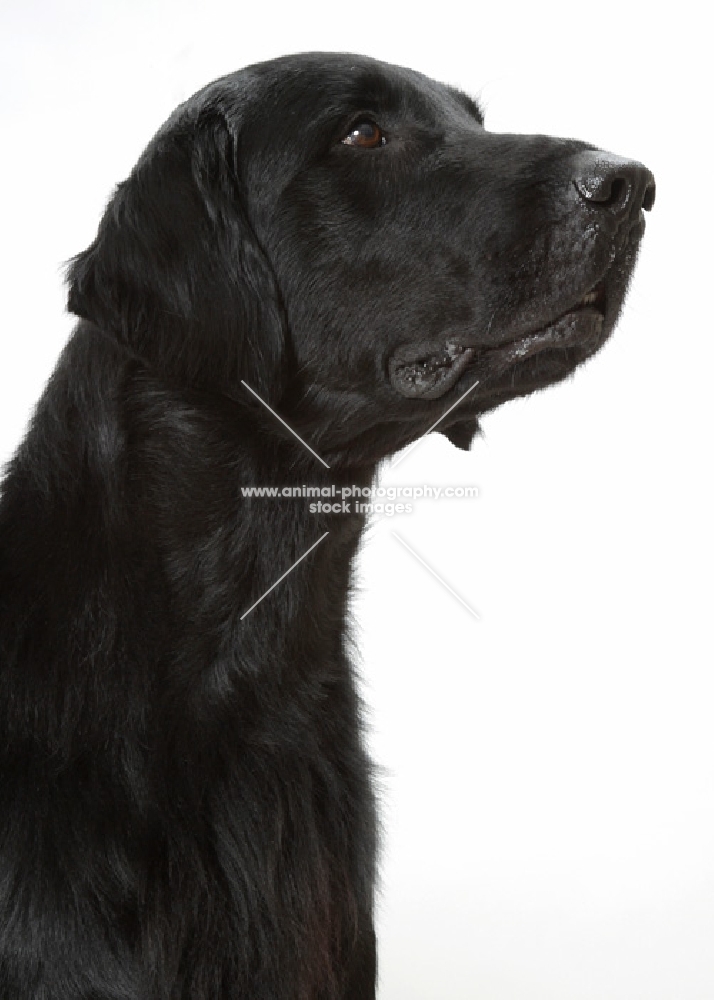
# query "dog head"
(345, 237)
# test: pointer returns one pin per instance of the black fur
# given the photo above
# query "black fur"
(186, 808)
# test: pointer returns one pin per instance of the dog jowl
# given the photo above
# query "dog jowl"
(323, 246)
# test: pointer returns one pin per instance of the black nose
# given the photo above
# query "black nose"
(614, 185)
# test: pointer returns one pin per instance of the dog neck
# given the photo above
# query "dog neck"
(158, 478)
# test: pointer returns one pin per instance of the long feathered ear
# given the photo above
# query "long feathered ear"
(176, 272)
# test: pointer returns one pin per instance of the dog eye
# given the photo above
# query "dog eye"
(365, 134)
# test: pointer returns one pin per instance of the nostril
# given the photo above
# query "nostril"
(648, 199)
(605, 189)
(621, 187)
(619, 194)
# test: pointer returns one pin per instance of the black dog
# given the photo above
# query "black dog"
(186, 809)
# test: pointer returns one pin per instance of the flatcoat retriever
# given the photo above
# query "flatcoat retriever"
(186, 808)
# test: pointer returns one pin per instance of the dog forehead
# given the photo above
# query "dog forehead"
(310, 87)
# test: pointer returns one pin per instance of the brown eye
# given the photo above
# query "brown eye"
(365, 134)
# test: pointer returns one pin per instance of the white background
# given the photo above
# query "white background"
(547, 771)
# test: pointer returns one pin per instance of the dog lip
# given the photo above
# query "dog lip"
(577, 326)
(419, 371)
(431, 353)
(592, 305)
(580, 328)
(427, 370)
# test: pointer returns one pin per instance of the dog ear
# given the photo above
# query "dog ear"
(176, 272)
